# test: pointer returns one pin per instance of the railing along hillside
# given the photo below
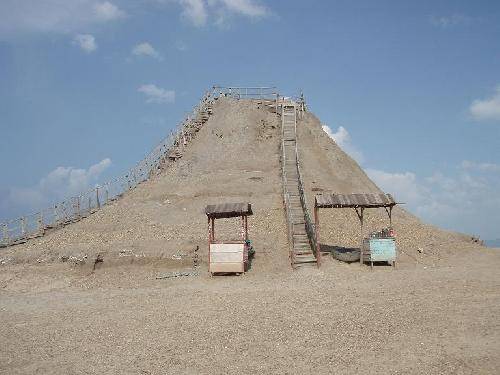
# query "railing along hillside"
(310, 228)
(265, 93)
(286, 195)
(75, 208)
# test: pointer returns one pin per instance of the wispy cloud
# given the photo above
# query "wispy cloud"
(485, 167)
(59, 184)
(194, 11)
(156, 94)
(467, 201)
(107, 11)
(86, 42)
(445, 22)
(464, 198)
(343, 140)
(146, 49)
(487, 109)
(35, 16)
(200, 12)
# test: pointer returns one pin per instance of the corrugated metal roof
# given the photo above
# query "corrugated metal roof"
(354, 200)
(224, 210)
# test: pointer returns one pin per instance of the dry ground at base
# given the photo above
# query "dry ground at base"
(342, 319)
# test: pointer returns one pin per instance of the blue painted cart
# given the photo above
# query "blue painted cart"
(379, 250)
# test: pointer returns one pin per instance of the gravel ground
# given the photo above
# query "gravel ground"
(340, 319)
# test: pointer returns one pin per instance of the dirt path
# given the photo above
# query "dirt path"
(342, 318)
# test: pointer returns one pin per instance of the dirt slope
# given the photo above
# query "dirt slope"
(234, 158)
(437, 313)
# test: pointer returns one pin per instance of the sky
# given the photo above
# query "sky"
(409, 89)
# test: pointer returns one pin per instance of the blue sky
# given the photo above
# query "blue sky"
(410, 89)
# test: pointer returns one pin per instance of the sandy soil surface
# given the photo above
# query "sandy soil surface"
(63, 313)
(341, 319)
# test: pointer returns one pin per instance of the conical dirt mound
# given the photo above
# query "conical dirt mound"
(235, 157)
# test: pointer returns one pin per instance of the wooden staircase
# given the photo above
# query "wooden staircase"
(300, 247)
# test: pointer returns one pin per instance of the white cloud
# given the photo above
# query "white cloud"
(465, 198)
(198, 12)
(107, 11)
(467, 202)
(146, 49)
(485, 167)
(59, 184)
(86, 42)
(157, 94)
(403, 185)
(343, 140)
(487, 109)
(225, 10)
(244, 7)
(445, 22)
(194, 11)
(66, 16)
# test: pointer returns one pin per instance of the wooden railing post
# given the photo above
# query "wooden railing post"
(78, 208)
(40, 223)
(5, 234)
(23, 225)
(106, 193)
(316, 235)
(98, 203)
(56, 215)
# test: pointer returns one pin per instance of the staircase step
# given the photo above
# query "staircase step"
(305, 252)
(305, 259)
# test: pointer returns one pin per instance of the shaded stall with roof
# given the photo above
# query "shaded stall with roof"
(371, 249)
(228, 256)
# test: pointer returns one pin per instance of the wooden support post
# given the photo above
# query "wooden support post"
(316, 234)
(360, 216)
(134, 178)
(209, 241)
(78, 208)
(23, 225)
(389, 213)
(209, 232)
(106, 194)
(5, 234)
(56, 215)
(246, 228)
(243, 228)
(40, 223)
(213, 229)
(98, 203)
